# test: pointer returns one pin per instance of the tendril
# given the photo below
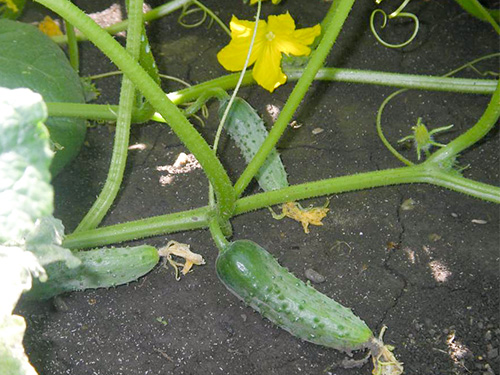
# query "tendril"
(187, 10)
(380, 133)
(397, 13)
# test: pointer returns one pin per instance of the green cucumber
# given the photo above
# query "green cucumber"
(246, 128)
(254, 276)
(100, 268)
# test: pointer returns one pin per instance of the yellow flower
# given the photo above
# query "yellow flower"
(49, 27)
(12, 6)
(274, 37)
(252, 2)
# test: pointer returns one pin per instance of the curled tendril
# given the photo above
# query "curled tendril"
(397, 13)
(192, 107)
(187, 10)
(387, 144)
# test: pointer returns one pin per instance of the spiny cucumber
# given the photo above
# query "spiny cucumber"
(247, 129)
(100, 268)
(254, 276)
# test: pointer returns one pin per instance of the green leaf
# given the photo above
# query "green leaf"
(25, 195)
(11, 9)
(45, 242)
(247, 129)
(25, 192)
(473, 10)
(28, 58)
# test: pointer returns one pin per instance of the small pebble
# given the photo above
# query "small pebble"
(314, 276)
(492, 353)
(489, 370)
(244, 317)
(434, 237)
(408, 205)
(59, 304)
(479, 221)
(317, 131)
(488, 336)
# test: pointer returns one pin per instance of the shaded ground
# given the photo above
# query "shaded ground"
(430, 273)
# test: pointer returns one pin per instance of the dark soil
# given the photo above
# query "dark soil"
(431, 273)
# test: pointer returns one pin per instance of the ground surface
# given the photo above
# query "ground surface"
(431, 274)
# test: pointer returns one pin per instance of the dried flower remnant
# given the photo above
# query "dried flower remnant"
(305, 216)
(181, 250)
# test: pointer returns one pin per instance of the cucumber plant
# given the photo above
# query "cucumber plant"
(248, 270)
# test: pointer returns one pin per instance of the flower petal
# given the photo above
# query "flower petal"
(281, 25)
(267, 71)
(233, 56)
(307, 35)
(289, 40)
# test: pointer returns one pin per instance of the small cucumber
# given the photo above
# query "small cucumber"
(100, 268)
(248, 131)
(254, 276)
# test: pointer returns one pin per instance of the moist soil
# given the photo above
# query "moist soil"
(420, 259)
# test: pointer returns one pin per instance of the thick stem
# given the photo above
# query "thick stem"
(153, 14)
(471, 136)
(410, 81)
(200, 218)
(462, 85)
(217, 235)
(133, 230)
(340, 10)
(119, 158)
(154, 94)
(74, 59)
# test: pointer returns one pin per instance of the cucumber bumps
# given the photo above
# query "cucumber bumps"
(254, 276)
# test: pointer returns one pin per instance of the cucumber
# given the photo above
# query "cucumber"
(100, 268)
(254, 276)
(248, 131)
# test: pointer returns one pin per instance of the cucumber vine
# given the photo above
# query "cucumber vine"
(142, 99)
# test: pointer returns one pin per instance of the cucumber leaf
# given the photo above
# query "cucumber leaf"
(473, 9)
(11, 9)
(25, 195)
(25, 191)
(247, 129)
(28, 58)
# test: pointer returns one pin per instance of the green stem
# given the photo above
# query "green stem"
(471, 136)
(214, 17)
(335, 185)
(415, 174)
(119, 158)
(453, 181)
(475, 8)
(153, 14)
(340, 9)
(411, 81)
(201, 217)
(381, 133)
(72, 46)
(133, 230)
(98, 112)
(217, 235)
(156, 97)
(462, 85)
(221, 225)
